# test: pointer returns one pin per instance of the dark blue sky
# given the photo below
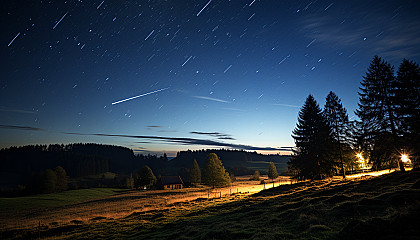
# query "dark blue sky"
(230, 73)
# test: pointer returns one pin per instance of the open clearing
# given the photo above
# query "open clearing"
(98, 204)
(369, 207)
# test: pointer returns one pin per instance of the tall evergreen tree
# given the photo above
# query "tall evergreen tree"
(214, 174)
(407, 101)
(407, 95)
(195, 174)
(377, 111)
(338, 120)
(375, 96)
(310, 158)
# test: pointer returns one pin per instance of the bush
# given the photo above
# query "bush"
(255, 177)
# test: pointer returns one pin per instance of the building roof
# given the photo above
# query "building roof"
(169, 180)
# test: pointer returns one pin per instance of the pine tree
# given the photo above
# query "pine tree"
(376, 97)
(310, 158)
(407, 102)
(338, 121)
(195, 174)
(377, 111)
(214, 174)
(407, 98)
(145, 178)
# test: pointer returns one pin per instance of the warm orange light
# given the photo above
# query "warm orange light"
(360, 156)
(404, 158)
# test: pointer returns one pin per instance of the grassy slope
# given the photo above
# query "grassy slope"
(54, 199)
(375, 208)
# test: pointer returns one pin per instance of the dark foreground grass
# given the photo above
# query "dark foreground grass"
(385, 207)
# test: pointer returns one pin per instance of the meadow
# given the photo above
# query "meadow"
(385, 206)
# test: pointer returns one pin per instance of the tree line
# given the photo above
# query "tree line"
(213, 174)
(33, 168)
(327, 142)
(235, 161)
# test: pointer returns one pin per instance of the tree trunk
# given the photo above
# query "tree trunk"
(341, 159)
(401, 164)
(394, 135)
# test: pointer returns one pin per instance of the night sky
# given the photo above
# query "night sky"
(200, 74)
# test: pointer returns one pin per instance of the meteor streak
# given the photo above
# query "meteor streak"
(142, 95)
(203, 8)
(60, 20)
(13, 39)
(186, 61)
(100, 4)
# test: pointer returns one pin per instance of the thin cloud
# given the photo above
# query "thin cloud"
(171, 140)
(189, 141)
(17, 111)
(234, 109)
(212, 99)
(286, 105)
(28, 128)
(215, 134)
(226, 138)
(326, 30)
(167, 131)
(390, 41)
(150, 127)
(140, 150)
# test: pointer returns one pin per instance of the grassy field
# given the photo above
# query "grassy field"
(54, 199)
(383, 207)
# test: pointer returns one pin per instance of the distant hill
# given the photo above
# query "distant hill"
(20, 164)
(237, 161)
(78, 159)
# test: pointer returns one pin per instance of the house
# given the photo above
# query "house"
(171, 182)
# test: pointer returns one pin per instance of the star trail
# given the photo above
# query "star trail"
(240, 68)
